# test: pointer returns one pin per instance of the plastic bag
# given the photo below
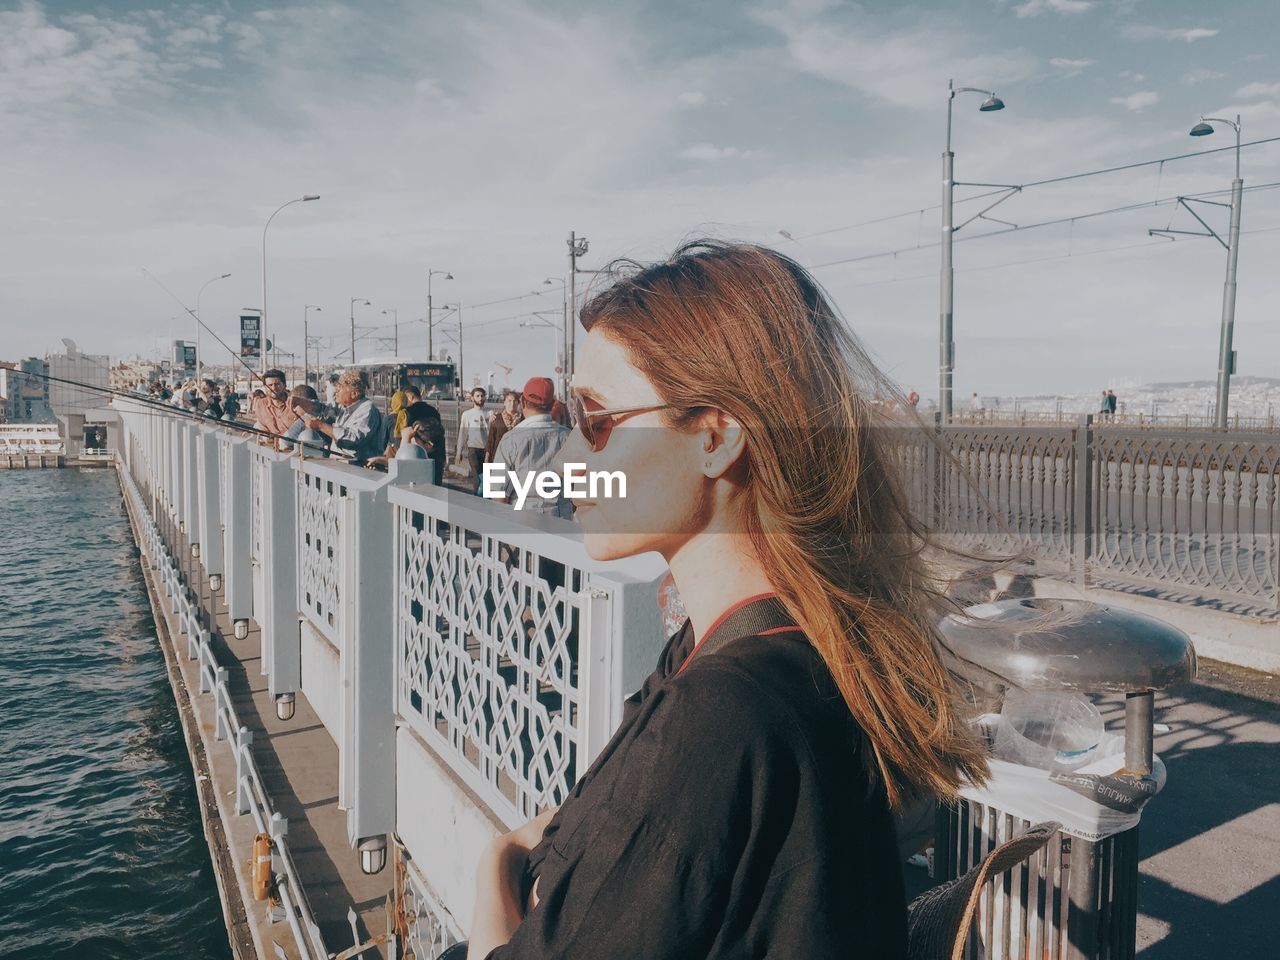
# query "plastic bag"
(1090, 801)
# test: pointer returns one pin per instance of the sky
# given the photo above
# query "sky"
(473, 137)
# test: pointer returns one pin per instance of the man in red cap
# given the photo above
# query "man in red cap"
(534, 443)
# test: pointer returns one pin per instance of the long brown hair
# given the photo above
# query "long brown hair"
(746, 330)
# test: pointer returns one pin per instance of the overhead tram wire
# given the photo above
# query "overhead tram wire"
(1126, 208)
(161, 407)
(1034, 183)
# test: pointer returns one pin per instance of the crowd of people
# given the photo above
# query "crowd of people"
(525, 433)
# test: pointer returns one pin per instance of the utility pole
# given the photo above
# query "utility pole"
(1226, 355)
(354, 301)
(946, 340)
(577, 248)
(431, 316)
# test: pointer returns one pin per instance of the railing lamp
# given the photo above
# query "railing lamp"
(285, 706)
(373, 854)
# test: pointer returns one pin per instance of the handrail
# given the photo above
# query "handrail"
(251, 795)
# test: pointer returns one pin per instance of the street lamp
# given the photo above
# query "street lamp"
(431, 317)
(577, 248)
(1226, 356)
(363, 303)
(564, 371)
(302, 199)
(306, 342)
(395, 319)
(946, 345)
(200, 319)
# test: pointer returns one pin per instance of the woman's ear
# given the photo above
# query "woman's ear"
(723, 443)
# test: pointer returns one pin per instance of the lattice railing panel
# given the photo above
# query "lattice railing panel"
(1008, 490)
(488, 658)
(320, 550)
(1190, 510)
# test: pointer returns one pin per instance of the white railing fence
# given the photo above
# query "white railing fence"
(250, 796)
(484, 634)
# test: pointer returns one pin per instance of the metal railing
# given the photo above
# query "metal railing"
(1193, 511)
(512, 643)
(1123, 418)
(250, 795)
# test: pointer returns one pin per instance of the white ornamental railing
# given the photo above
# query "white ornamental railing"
(514, 649)
(487, 634)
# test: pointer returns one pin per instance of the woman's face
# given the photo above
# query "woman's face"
(668, 497)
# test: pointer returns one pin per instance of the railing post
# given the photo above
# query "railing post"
(281, 633)
(1082, 512)
(279, 829)
(220, 731)
(210, 526)
(368, 648)
(244, 746)
(238, 574)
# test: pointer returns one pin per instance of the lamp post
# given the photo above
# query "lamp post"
(577, 248)
(946, 345)
(200, 319)
(306, 343)
(564, 371)
(302, 199)
(1227, 356)
(395, 320)
(364, 303)
(431, 317)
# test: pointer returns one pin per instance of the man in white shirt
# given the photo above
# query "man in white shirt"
(473, 431)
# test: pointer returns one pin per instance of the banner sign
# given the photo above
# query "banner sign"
(189, 356)
(250, 336)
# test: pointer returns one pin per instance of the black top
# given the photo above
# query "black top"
(731, 815)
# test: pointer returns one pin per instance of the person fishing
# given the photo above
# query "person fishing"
(745, 806)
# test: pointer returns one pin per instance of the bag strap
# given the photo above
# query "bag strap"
(768, 614)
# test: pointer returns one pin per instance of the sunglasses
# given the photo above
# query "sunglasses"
(595, 424)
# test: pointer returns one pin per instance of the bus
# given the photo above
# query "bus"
(387, 376)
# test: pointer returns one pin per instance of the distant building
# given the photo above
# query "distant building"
(126, 374)
(92, 370)
(24, 392)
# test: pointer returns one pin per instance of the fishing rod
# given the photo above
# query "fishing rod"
(195, 316)
(171, 410)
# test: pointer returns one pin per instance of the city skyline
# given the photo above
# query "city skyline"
(475, 140)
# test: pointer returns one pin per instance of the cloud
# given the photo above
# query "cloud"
(1201, 75)
(1069, 67)
(708, 152)
(1035, 8)
(1137, 101)
(1143, 31)
(900, 68)
(1259, 91)
(692, 98)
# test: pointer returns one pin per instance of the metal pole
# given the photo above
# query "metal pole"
(306, 348)
(1226, 356)
(1139, 732)
(461, 382)
(567, 362)
(946, 346)
(564, 371)
(431, 318)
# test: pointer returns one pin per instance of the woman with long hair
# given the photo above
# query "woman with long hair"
(745, 806)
